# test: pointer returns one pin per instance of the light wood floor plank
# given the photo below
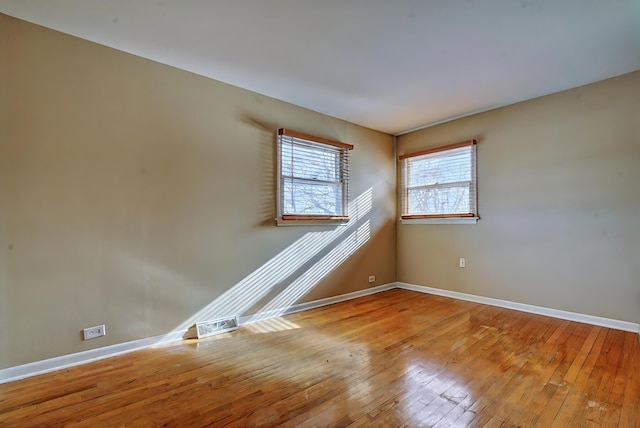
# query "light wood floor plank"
(395, 359)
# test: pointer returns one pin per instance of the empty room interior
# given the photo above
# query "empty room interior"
(285, 213)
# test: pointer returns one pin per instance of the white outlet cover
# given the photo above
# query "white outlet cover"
(93, 332)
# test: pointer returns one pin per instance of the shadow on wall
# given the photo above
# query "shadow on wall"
(282, 281)
(268, 160)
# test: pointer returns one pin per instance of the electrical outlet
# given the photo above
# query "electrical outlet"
(372, 278)
(463, 263)
(93, 332)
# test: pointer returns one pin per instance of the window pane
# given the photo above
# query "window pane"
(439, 200)
(313, 177)
(429, 170)
(307, 197)
(441, 182)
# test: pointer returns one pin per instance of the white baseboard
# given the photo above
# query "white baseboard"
(315, 304)
(65, 361)
(540, 310)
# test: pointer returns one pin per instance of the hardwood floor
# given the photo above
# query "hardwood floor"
(397, 358)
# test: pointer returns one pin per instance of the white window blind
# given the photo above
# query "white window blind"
(440, 183)
(313, 178)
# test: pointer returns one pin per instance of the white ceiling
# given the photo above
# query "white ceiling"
(391, 65)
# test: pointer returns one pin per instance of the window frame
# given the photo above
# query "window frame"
(341, 150)
(442, 218)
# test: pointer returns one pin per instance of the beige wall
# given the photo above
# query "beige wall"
(137, 193)
(559, 198)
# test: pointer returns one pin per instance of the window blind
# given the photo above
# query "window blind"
(313, 177)
(440, 182)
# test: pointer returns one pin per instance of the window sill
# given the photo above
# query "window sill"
(447, 220)
(312, 222)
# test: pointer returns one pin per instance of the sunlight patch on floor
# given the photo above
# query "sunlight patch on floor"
(271, 325)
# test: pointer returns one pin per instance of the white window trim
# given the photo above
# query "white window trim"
(327, 222)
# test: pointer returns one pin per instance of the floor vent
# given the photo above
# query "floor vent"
(209, 328)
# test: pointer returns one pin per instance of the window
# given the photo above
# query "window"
(313, 179)
(440, 183)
